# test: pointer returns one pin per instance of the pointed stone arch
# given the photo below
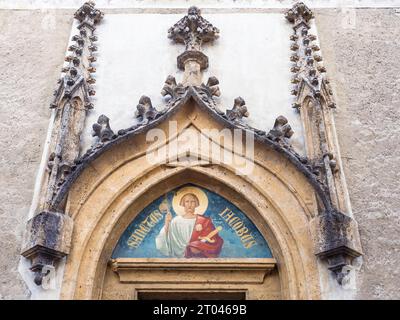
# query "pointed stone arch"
(113, 188)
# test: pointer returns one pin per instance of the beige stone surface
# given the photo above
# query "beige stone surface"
(32, 46)
(363, 64)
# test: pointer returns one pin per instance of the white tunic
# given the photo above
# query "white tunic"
(174, 243)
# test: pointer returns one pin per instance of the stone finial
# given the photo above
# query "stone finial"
(102, 129)
(282, 131)
(193, 30)
(298, 14)
(88, 13)
(305, 60)
(238, 111)
(145, 109)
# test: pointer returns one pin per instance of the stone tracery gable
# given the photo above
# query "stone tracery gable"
(333, 230)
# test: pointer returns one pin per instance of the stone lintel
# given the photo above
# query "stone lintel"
(166, 270)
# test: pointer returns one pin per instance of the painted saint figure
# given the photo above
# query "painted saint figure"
(189, 234)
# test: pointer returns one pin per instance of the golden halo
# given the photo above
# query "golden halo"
(200, 194)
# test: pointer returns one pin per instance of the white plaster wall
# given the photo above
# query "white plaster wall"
(250, 59)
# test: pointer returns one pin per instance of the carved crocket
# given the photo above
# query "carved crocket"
(145, 110)
(238, 111)
(102, 129)
(281, 132)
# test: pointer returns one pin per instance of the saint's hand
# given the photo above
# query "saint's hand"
(168, 218)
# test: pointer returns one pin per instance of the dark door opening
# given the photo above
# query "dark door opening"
(190, 295)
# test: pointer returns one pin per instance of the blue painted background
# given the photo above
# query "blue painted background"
(232, 247)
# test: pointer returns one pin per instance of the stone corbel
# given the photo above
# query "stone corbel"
(336, 241)
(47, 239)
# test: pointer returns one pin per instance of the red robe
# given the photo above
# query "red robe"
(198, 249)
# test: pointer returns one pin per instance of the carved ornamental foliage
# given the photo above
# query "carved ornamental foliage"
(306, 68)
(102, 129)
(193, 30)
(335, 228)
(80, 61)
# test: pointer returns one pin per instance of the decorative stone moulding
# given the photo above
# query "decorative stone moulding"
(336, 234)
(227, 271)
(281, 132)
(72, 99)
(78, 73)
(48, 233)
(145, 110)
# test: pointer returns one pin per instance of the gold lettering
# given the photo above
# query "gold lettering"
(147, 223)
(137, 235)
(242, 231)
(223, 212)
(246, 237)
(155, 216)
(238, 226)
(229, 215)
(249, 244)
(143, 229)
(232, 220)
(133, 243)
